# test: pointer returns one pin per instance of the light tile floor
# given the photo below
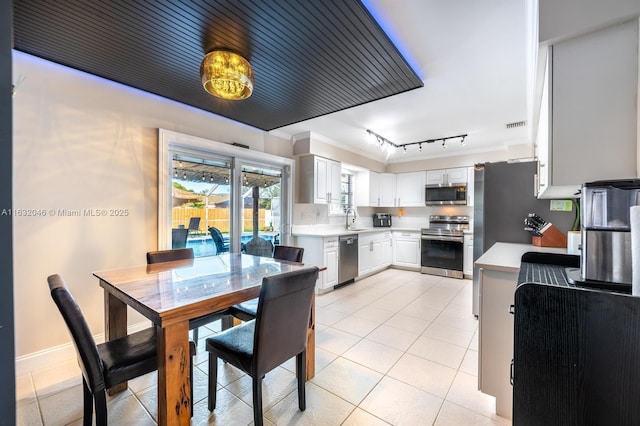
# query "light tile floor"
(398, 348)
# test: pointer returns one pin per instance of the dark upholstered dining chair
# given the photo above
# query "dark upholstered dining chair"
(246, 311)
(218, 240)
(290, 253)
(107, 364)
(160, 256)
(278, 333)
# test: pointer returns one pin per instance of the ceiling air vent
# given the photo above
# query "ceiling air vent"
(516, 124)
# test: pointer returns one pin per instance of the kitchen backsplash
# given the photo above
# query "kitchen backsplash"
(408, 217)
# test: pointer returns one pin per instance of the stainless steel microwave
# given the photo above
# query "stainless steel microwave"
(446, 193)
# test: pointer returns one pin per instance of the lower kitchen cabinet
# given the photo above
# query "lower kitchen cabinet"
(406, 249)
(374, 252)
(322, 251)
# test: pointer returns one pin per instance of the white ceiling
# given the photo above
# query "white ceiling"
(472, 58)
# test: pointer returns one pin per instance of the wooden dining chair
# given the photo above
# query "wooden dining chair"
(246, 311)
(160, 256)
(278, 333)
(110, 363)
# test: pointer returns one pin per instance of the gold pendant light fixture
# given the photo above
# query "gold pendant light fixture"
(226, 75)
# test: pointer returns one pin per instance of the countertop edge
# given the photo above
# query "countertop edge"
(336, 232)
(505, 257)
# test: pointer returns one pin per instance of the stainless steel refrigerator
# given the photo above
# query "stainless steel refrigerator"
(503, 196)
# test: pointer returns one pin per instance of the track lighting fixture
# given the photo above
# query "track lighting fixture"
(387, 144)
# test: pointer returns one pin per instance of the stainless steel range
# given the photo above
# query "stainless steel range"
(442, 246)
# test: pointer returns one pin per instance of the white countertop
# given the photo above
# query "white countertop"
(332, 232)
(506, 256)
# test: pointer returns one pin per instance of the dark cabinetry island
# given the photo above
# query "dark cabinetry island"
(576, 351)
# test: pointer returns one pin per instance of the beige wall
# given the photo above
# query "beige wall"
(313, 144)
(81, 142)
(511, 152)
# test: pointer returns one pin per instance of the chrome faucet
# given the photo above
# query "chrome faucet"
(353, 221)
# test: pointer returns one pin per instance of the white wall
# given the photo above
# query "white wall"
(561, 19)
(81, 142)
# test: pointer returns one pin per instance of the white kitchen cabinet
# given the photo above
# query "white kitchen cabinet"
(374, 252)
(410, 189)
(386, 253)
(387, 190)
(588, 118)
(470, 185)
(319, 180)
(446, 176)
(406, 249)
(331, 256)
(321, 251)
(375, 189)
(467, 265)
(365, 254)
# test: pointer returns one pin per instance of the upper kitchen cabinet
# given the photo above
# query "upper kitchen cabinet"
(318, 180)
(410, 189)
(446, 176)
(588, 119)
(375, 189)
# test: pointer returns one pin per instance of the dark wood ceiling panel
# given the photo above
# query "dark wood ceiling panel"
(310, 57)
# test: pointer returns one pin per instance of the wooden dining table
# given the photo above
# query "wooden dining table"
(172, 293)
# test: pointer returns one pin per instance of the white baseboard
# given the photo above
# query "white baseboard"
(26, 364)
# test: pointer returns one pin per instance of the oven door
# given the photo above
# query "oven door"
(442, 255)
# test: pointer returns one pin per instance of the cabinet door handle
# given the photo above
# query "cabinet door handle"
(371, 246)
(511, 373)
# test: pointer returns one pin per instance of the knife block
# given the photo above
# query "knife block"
(551, 237)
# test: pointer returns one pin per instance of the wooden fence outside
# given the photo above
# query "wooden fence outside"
(216, 217)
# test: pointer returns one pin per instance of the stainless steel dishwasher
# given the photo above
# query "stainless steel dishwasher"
(348, 255)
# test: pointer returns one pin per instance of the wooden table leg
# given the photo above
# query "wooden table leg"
(174, 389)
(311, 341)
(115, 326)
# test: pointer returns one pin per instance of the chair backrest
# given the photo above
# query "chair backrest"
(169, 255)
(293, 254)
(259, 247)
(194, 224)
(179, 237)
(282, 318)
(218, 240)
(86, 349)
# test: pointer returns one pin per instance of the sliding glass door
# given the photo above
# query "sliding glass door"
(261, 208)
(201, 203)
(216, 198)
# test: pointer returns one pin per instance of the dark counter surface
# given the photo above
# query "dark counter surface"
(561, 270)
